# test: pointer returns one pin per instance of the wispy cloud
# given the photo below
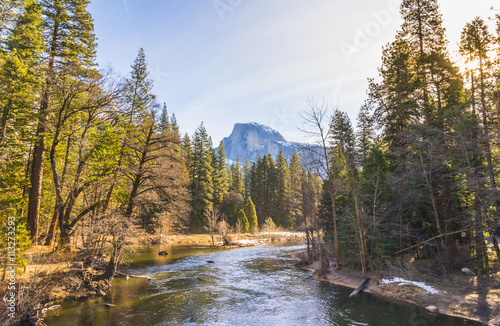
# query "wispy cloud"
(125, 5)
(262, 60)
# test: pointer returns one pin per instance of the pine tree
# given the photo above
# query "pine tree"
(187, 153)
(423, 30)
(221, 176)
(344, 143)
(251, 214)
(475, 46)
(295, 195)
(137, 101)
(20, 70)
(282, 208)
(137, 92)
(173, 122)
(244, 221)
(268, 182)
(342, 135)
(247, 178)
(256, 187)
(365, 135)
(237, 176)
(419, 92)
(20, 60)
(201, 177)
(164, 119)
(393, 97)
(71, 41)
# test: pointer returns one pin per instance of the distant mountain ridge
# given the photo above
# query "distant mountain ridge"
(249, 140)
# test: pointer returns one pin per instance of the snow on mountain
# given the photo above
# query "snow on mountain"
(249, 140)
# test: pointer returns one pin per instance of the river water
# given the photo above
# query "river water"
(244, 286)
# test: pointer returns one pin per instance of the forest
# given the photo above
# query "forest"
(88, 159)
(92, 158)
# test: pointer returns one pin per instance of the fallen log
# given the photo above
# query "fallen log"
(428, 240)
(361, 287)
(117, 273)
(132, 275)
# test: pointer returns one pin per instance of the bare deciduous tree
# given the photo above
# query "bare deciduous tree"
(316, 121)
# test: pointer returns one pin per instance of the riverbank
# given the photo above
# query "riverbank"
(53, 276)
(457, 294)
(236, 240)
(66, 269)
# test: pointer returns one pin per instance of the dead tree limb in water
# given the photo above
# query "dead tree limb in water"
(361, 287)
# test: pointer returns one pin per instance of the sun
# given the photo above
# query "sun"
(463, 64)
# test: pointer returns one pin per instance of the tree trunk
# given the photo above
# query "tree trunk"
(450, 239)
(39, 149)
(113, 261)
(50, 234)
(3, 122)
(37, 175)
(139, 175)
(335, 232)
(360, 226)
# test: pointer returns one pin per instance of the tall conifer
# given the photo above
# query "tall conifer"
(70, 41)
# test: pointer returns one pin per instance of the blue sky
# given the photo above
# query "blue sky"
(228, 61)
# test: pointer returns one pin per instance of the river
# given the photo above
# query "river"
(244, 286)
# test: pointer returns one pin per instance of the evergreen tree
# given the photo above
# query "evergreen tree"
(20, 75)
(221, 176)
(71, 41)
(8, 10)
(342, 135)
(164, 119)
(282, 208)
(187, 153)
(137, 101)
(202, 188)
(247, 177)
(20, 60)
(173, 122)
(237, 177)
(256, 184)
(295, 195)
(244, 221)
(423, 30)
(251, 214)
(365, 135)
(137, 94)
(475, 46)
(268, 182)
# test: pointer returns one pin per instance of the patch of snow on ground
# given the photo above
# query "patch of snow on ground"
(422, 285)
(284, 234)
(246, 241)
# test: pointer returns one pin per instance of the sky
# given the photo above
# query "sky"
(229, 61)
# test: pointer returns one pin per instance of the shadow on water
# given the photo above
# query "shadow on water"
(246, 286)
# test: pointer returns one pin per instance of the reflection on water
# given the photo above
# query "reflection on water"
(245, 286)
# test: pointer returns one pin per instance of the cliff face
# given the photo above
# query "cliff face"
(248, 140)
